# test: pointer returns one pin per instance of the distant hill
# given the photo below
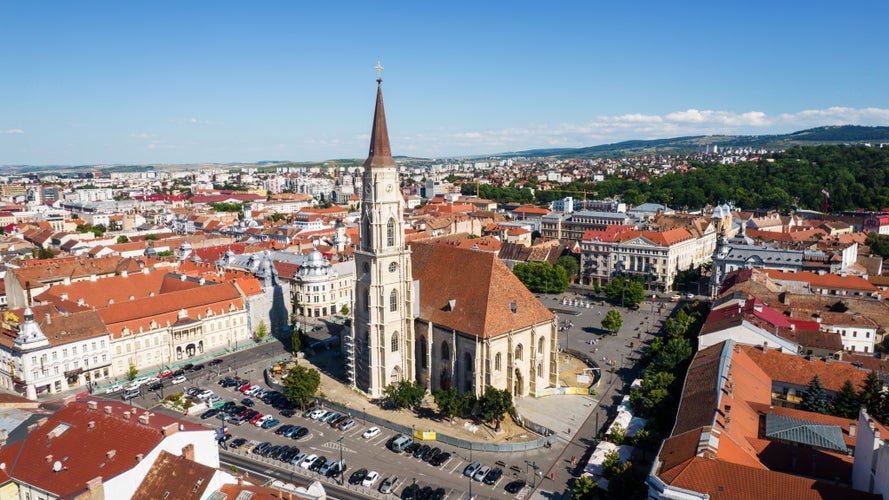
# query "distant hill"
(840, 134)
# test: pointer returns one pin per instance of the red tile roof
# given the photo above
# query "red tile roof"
(828, 280)
(67, 437)
(797, 370)
(482, 287)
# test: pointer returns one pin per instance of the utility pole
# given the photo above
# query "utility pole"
(342, 471)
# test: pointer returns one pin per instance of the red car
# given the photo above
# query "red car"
(256, 418)
(165, 373)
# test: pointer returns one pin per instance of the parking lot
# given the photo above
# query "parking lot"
(443, 477)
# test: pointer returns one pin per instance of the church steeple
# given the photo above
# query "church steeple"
(380, 155)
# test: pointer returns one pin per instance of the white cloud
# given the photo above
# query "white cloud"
(12, 131)
(141, 135)
(616, 128)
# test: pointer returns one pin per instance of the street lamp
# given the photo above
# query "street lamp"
(340, 441)
(365, 415)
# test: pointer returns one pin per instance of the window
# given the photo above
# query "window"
(518, 352)
(497, 362)
(390, 233)
(540, 345)
(393, 300)
(395, 342)
(445, 351)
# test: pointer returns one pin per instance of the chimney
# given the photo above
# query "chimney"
(110, 454)
(181, 277)
(94, 485)
(513, 307)
(452, 303)
(139, 457)
(757, 306)
(107, 410)
(64, 296)
(91, 425)
(793, 327)
(32, 428)
(92, 405)
(47, 319)
(49, 459)
(123, 273)
(126, 415)
(143, 419)
(188, 452)
(765, 346)
(80, 301)
(852, 428)
(169, 430)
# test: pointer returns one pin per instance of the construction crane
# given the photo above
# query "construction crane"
(584, 192)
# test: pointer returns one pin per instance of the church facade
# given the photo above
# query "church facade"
(442, 316)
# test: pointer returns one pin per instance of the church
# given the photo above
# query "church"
(439, 315)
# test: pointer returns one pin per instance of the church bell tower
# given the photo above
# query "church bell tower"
(379, 347)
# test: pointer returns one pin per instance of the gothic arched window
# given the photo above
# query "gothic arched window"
(393, 300)
(395, 342)
(518, 352)
(497, 362)
(390, 233)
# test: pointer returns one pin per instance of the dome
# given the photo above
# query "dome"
(315, 265)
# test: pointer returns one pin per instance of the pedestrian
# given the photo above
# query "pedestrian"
(573, 460)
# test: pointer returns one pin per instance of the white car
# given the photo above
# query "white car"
(114, 388)
(370, 479)
(179, 380)
(205, 394)
(373, 431)
(308, 461)
(263, 419)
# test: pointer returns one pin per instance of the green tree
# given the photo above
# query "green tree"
(449, 402)
(570, 265)
(132, 372)
(815, 399)
(405, 394)
(541, 277)
(610, 464)
(99, 230)
(675, 352)
(123, 239)
(151, 237)
(612, 321)
(869, 394)
(845, 404)
(628, 292)
(584, 489)
(261, 331)
(617, 435)
(495, 404)
(295, 342)
(300, 384)
(345, 310)
(653, 390)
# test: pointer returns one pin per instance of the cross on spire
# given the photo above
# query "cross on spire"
(379, 69)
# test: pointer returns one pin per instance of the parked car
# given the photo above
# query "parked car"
(156, 386)
(300, 433)
(358, 476)
(247, 402)
(178, 373)
(440, 459)
(348, 424)
(515, 486)
(481, 473)
(204, 394)
(471, 469)
(438, 494)
(370, 479)
(318, 463)
(215, 361)
(309, 460)
(493, 476)
(179, 379)
(370, 433)
(209, 413)
(199, 366)
(165, 373)
(114, 388)
(269, 423)
(188, 367)
(388, 485)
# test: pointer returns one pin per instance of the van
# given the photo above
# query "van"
(401, 443)
(131, 393)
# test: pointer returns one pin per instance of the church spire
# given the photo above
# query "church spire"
(380, 155)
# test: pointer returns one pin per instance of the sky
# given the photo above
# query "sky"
(171, 82)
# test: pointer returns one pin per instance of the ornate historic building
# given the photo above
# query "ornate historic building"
(443, 316)
(379, 349)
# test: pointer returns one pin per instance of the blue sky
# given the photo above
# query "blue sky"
(184, 82)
